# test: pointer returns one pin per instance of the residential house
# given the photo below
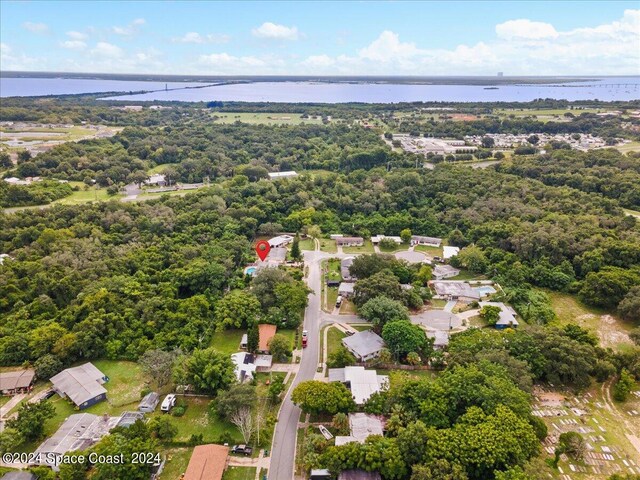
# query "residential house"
(20, 475)
(18, 381)
(361, 426)
(448, 252)
(208, 462)
(82, 385)
(455, 290)
(246, 364)
(349, 241)
(378, 238)
(507, 317)
(243, 341)
(441, 272)
(280, 241)
(266, 331)
(320, 474)
(362, 383)
(346, 289)
(428, 241)
(440, 339)
(278, 175)
(364, 345)
(345, 265)
(156, 179)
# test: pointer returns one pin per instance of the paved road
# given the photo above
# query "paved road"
(284, 438)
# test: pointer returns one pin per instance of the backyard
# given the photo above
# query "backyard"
(366, 248)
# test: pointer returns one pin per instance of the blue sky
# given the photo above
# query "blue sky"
(351, 38)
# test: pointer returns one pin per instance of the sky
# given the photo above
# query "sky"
(322, 38)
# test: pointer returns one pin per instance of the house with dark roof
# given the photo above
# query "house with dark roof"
(82, 385)
(18, 381)
(345, 265)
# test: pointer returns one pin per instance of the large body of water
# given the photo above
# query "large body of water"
(606, 89)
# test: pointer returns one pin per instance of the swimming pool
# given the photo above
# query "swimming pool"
(484, 291)
(250, 271)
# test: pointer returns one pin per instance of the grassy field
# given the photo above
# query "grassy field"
(629, 147)
(333, 269)
(467, 275)
(332, 296)
(366, 248)
(611, 330)
(334, 340)
(266, 118)
(396, 248)
(85, 196)
(158, 168)
(177, 461)
(328, 245)
(431, 251)
(347, 307)
(228, 341)
(239, 473)
(307, 244)
(546, 111)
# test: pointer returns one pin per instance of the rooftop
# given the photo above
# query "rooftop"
(289, 173)
(80, 383)
(455, 289)
(207, 462)
(448, 252)
(507, 314)
(16, 379)
(361, 425)
(362, 383)
(266, 331)
(364, 343)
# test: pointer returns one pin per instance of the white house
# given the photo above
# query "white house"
(286, 174)
(246, 364)
(361, 426)
(280, 241)
(444, 271)
(429, 241)
(362, 383)
(448, 252)
(346, 289)
(378, 238)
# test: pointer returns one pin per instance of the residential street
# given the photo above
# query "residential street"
(284, 439)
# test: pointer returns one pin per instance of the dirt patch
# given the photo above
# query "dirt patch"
(610, 333)
(549, 399)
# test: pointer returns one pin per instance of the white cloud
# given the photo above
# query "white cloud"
(76, 35)
(130, 29)
(5, 49)
(225, 60)
(276, 31)
(388, 47)
(525, 29)
(40, 28)
(318, 61)
(108, 50)
(520, 47)
(15, 61)
(195, 37)
(73, 44)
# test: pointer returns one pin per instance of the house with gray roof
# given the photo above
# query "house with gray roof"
(361, 426)
(357, 474)
(349, 241)
(82, 385)
(362, 383)
(441, 272)
(346, 289)
(345, 265)
(17, 381)
(429, 241)
(149, 402)
(364, 345)
(507, 317)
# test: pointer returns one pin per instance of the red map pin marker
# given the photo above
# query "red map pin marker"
(262, 249)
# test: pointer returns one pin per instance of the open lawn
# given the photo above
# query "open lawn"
(196, 421)
(177, 461)
(467, 275)
(629, 147)
(334, 340)
(546, 111)
(366, 248)
(92, 194)
(431, 251)
(266, 118)
(239, 473)
(227, 341)
(633, 213)
(290, 334)
(307, 244)
(332, 296)
(328, 245)
(347, 307)
(612, 331)
(395, 248)
(158, 168)
(332, 269)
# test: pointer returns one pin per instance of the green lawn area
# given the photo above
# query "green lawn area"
(332, 296)
(307, 244)
(227, 341)
(467, 275)
(396, 248)
(437, 303)
(361, 328)
(546, 111)
(196, 421)
(177, 461)
(333, 269)
(93, 194)
(290, 334)
(4, 400)
(239, 473)
(431, 251)
(265, 118)
(347, 307)
(328, 245)
(633, 213)
(366, 248)
(334, 340)
(158, 168)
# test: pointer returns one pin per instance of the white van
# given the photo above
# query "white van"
(168, 403)
(338, 301)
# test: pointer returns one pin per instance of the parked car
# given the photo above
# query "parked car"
(338, 301)
(168, 403)
(242, 450)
